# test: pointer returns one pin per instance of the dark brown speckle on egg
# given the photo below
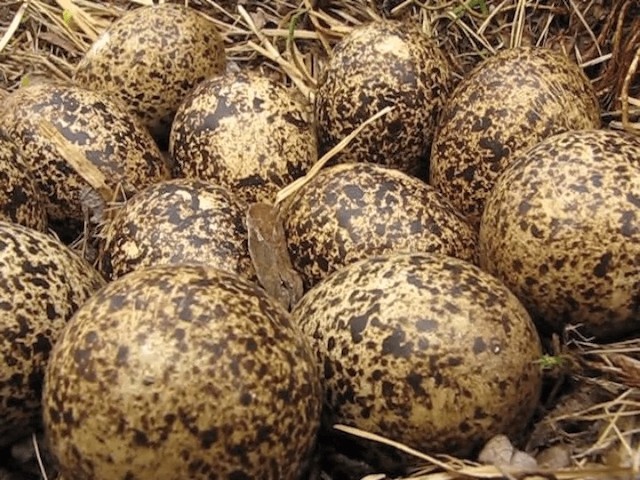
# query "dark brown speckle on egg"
(562, 230)
(42, 284)
(508, 103)
(178, 221)
(424, 349)
(182, 372)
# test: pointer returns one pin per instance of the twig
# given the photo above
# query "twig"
(487, 471)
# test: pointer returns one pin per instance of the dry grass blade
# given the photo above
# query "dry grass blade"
(290, 189)
(13, 26)
(518, 24)
(74, 156)
(36, 448)
(588, 29)
(80, 17)
(479, 37)
(325, 43)
(377, 438)
(270, 52)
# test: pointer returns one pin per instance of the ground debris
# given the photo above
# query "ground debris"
(500, 452)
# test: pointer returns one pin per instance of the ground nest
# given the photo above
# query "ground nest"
(589, 421)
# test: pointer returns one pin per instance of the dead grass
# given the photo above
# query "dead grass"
(596, 407)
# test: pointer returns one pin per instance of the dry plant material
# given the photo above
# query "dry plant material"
(614, 366)
(13, 26)
(293, 187)
(562, 421)
(624, 96)
(271, 53)
(78, 161)
(452, 469)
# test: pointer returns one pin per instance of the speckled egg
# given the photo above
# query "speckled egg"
(562, 229)
(245, 131)
(423, 349)
(177, 221)
(507, 104)
(356, 210)
(20, 201)
(151, 58)
(42, 283)
(381, 64)
(179, 372)
(109, 137)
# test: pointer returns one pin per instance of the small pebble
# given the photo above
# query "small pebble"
(499, 451)
(557, 456)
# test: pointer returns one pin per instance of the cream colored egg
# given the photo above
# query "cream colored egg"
(245, 132)
(20, 200)
(377, 65)
(562, 230)
(177, 221)
(106, 134)
(42, 284)
(352, 211)
(423, 349)
(182, 372)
